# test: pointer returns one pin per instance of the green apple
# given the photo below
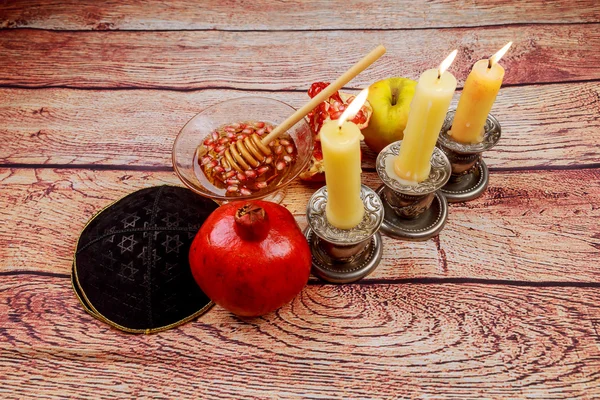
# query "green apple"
(390, 99)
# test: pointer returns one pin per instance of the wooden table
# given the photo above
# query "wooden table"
(505, 303)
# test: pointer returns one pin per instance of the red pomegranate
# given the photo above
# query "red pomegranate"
(250, 257)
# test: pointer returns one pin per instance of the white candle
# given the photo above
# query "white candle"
(428, 109)
(340, 141)
(477, 98)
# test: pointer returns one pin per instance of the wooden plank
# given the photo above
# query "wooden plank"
(255, 60)
(54, 205)
(542, 126)
(529, 226)
(539, 224)
(288, 15)
(351, 341)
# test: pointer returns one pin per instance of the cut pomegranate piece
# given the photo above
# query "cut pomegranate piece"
(330, 109)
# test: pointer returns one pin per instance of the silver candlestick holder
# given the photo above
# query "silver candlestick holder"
(344, 255)
(470, 175)
(412, 212)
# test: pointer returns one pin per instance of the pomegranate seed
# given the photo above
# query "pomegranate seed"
(230, 135)
(241, 137)
(221, 148)
(212, 164)
(268, 160)
(335, 115)
(336, 104)
(342, 108)
(289, 149)
(259, 124)
(235, 125)
(229, 129)
(272, 143)
(241, 176)
(230, 174)
(287, 159)
(208, 141)
(232, 182)
(262, 170)
(269, 128)
(261, 185)
(218, 169)
(284, 142)
(205, 160)
(279, 149)
(247, 131)
(280, 165)
(242, 126)
(250, 174)
(223, 140)
(245, 192)
(210, 147)
(260, 131)
(215, 135)
(232, 189)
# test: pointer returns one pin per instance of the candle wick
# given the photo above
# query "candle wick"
(439, 74)
(490, 63)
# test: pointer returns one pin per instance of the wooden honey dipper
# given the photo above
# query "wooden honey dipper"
(251, 151)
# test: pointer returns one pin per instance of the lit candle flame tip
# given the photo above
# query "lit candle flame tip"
(446, 63)
(496, 57)
(354, 107)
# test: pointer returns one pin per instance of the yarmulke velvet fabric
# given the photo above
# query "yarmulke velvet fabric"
(131, 265)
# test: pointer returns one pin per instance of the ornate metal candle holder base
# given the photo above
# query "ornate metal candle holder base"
(428, 225)
(412, 212)
(344, 255)
(470, 175)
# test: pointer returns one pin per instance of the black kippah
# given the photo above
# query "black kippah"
(131, 267)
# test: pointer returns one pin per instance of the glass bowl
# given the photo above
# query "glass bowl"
(238, 110)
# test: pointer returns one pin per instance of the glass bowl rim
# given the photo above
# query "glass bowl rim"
(218, 197)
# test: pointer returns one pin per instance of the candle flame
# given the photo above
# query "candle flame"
(354, 107)
(446, 63)
(496, 57)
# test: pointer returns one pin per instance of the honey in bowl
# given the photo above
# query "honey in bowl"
(211, 163)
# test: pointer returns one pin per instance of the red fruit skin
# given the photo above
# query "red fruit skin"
(250, 278)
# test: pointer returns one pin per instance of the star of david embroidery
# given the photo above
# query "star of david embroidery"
(127, 243)
(109, 258)
(109, 238)
(172, 244)
(150, 208)
(127, 271)
(155, 257)
(142, 255)
(130, 220)
(172, 220)
(170, 270)
(194, 229)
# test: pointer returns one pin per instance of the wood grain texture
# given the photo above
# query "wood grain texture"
(50, 208)
(528, 227)
(288, 15)
(256, 60)
(505, 303)
(351, 341)
(540, 224)
(542, 125)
